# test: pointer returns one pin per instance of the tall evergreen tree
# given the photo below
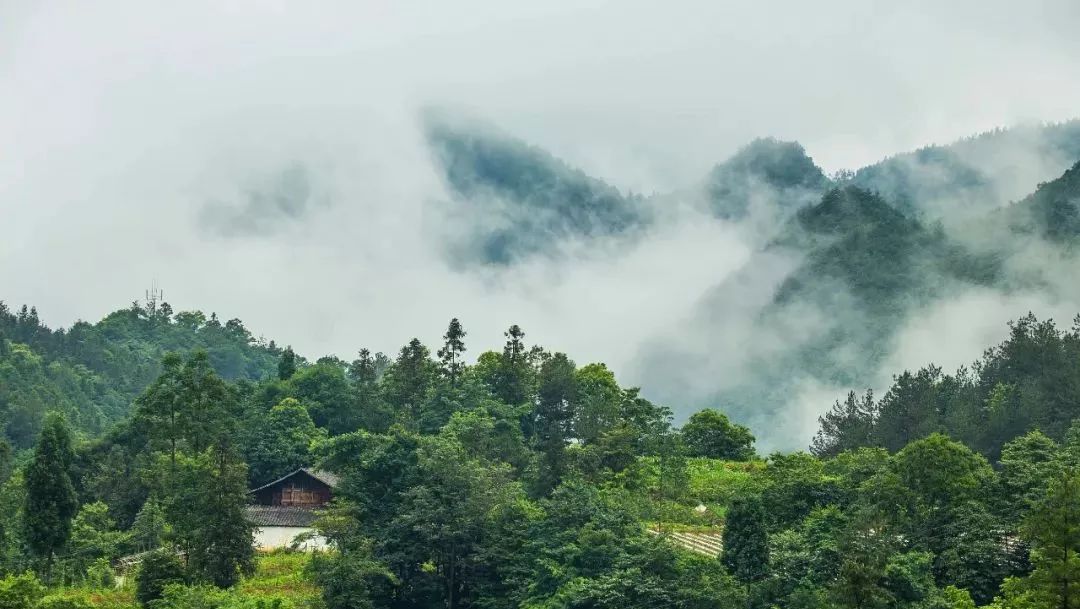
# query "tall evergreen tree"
(410, 377)
(286, 367)
(451, 352)
(204, 502)
(370, 411)
(746, 541)
(1054, 530)
(51, 502)
(552, 418)
(847, 426)
(362, 369)
(512, 382)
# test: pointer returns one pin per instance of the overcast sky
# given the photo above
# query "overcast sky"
(124, 126)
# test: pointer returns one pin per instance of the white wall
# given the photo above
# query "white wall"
(268, 538)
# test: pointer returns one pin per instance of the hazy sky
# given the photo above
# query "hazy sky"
(129, 128)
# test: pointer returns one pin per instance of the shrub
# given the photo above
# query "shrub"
(159, 569)
(20, 591)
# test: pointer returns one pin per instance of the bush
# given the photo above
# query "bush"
(159, 569)
(20, 591)
(100, 574)
(63, 602)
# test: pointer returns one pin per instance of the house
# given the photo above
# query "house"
(286, 508)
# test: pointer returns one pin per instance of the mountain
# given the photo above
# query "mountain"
(1052, 211)
(976, 174)
(511, 200)
(840, 265)
(831, 291)
(765, 172)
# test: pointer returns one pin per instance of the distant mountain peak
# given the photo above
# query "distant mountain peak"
(511, 199)
(767, 169)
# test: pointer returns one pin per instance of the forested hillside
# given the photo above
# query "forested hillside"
(522, 479)
(92, 372)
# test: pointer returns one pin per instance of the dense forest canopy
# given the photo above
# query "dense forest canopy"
(520, 478)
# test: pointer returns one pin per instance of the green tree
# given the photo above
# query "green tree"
(51, 502)
(1027, 462)
(409, 379)
(1053, 529)
(451, 352)
(204, 499)
(352, 580)
(370, 411)
(847, 426)
(150, 528)
(94, 536)
(442, 518)
(157, 570)
(709, 433)
(20, 591)
(286, 364)
(513, 375)
(746, 541)
(279, 442)
(551, 423)
(324, 391)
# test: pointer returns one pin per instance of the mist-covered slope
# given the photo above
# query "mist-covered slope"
(1052, 211)
(766, 172)
(511, 200)
(839, 269)
(976, 174)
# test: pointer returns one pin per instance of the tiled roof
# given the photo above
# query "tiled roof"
(327, 478)
(280, 516)
(323, 476)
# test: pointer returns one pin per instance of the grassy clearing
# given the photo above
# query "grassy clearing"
(713, 483)
(278, 575)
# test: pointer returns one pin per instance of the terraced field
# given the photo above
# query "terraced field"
(708, 544)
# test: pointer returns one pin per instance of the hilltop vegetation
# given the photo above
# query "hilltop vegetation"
(525, 480)
(92, 372)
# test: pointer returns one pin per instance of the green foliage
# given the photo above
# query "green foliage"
(92, 372)
(20, 591)
(746, 542)
(204, 497)
(94, 541)
(279, 442)
(1053, 529)
(50, 496)
(1029, 381)
(158, 569)
(353, 580)
(528, 198)
(710, 434)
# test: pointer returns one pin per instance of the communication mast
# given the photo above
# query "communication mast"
(154, 296)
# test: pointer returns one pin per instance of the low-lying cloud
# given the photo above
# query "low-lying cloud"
(265, 161)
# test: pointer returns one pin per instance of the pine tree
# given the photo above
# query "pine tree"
(848, 425)
(410, 377)
(550, 426)
(362, 369)
(51, 502)
(1054, 532)
(453, 348)
(746, 542)
(511, 385)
